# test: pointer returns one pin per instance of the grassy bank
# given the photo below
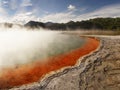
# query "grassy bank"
(93, 32)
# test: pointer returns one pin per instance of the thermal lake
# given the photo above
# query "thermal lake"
(21, 47)
(27, 56)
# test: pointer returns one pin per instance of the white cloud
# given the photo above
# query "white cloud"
(23, 17)
(71, 7)
(3, 15)
(2, 11)
(108, 11)
(13, 4)
(26, 3)
(5, 2)
(58, 17)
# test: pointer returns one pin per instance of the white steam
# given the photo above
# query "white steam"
(22, 46)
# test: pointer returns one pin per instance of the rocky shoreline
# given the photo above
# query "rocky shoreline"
(99, 70)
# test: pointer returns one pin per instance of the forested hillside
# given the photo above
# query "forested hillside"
(97, 23)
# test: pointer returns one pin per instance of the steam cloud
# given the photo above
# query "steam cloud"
(20, 46)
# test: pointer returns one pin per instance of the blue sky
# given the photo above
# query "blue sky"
(57, 10)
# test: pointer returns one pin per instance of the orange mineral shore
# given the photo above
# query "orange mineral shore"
(33, 72)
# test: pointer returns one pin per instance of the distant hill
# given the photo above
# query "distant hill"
(47, 24)
(97, 23)
(34, 24)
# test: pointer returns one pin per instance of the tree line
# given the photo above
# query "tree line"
(96, 23)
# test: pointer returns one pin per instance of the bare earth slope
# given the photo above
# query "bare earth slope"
(97, 71)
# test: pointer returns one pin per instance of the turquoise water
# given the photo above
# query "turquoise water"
(61, 44)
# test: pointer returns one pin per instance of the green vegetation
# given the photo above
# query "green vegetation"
(97, 23)
(106, 23)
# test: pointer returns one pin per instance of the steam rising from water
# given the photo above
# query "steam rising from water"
(20, 46)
